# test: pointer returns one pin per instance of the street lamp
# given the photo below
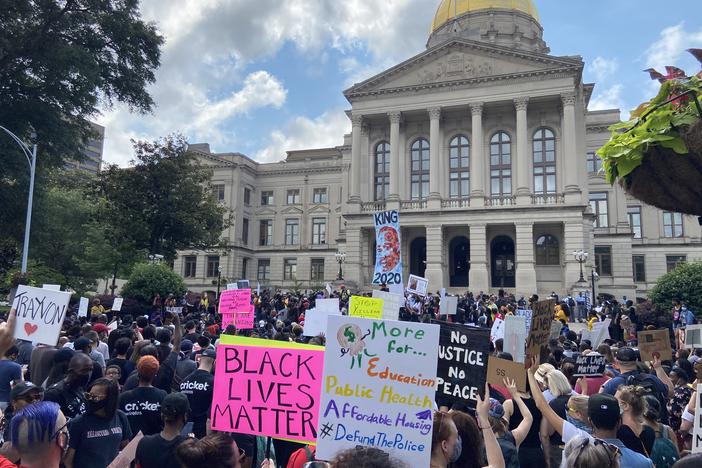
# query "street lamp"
(594, 277)
(31, 155)
(340, 258)
(219, 279)
(580, 257)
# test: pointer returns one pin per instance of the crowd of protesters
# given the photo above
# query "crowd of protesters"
(113, 376)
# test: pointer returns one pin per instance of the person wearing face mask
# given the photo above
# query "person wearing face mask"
(97, 436)
(68, 393)
(39, 433)
(22, 395)
(446, 444)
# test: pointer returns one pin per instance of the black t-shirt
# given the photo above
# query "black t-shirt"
(70, 400)
(143, 409)
(192, 337)
(156, 452)
(642, 444)
(532, 439)
(97, 440)
(198, 388)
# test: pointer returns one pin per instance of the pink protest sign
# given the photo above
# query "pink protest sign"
(234, 300)
(268, 391)
(244, 321)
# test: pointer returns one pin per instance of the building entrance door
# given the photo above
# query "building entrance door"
(502, 262)
(418, 256)
(459, 261)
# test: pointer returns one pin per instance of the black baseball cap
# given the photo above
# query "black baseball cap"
(210, 353)
(603, 410)
(23, 388)
(626, 354)
(175, 404)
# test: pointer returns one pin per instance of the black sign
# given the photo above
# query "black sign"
(462, 368)
(592, 365)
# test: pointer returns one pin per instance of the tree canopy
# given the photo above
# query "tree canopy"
(682, 283)
(147, 280)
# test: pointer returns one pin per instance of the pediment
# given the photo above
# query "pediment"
(291, 210)
(319, 209)
(460, 60)
(267, 211)
(210, 160)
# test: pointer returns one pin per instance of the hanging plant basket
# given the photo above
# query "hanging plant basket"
(668, 180)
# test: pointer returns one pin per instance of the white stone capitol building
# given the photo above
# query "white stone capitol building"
(484, 143)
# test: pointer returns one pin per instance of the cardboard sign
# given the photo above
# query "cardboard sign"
(448, 305)
(497, 332)
(417, 285)
(174, 310)
(316, 319)
(234, 300)
(52, 287)
(230, 287)
(655, 342)
(271, 391)
(83, 307)
(537, 341)
(692, 336)
(591, 365)
(556, 327)
(366, 307)
(526, 313)
(40, 314)
(462, 368)
(330, 306)
(697, 424)
(515, 337)
(388, 252)
(128, 453)
(391, 304)
(498, 369)
(379, 388)
(117, 304)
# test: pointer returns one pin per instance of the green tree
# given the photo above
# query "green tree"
(682, 283)
(163, 202)
(147, 280)
(59, 61)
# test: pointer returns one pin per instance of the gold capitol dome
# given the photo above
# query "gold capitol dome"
(450, 9)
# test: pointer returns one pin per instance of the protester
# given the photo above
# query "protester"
(69, 392)
(10, 374)
(159, 450)
(584, 452)
(142, 405)
(198, 387)
(216, 450)
(633, 432)
(40, 436)
(22, 395)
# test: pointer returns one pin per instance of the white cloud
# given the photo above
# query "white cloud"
(673, 42)
(327, 130)
(610, 98)
(602, 68)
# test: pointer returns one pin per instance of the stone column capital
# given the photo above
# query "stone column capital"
(434, 113)
(568, 99)
(521, 103)
(395, 117)
(356, 120)
(365, 130)
(476, 108)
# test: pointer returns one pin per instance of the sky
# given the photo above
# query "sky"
(262, 77)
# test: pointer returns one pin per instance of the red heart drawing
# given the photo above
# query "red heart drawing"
(30, 328)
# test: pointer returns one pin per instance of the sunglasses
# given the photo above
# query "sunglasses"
(612, 450)
(91, 397)
(62, 430)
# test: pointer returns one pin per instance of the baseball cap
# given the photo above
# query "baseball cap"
(603, 409)
(626, 354)
(23, 388)
(81, 343)
(210, 353)
(496, 409)
(175, 404)
(100, 328)
(186, 345)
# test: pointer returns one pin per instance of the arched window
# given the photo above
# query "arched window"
(459, 167)
(547, 250)
(544, 162)
(420, 169)
(500, 165)
(382, 170)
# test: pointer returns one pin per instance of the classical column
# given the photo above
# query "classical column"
(352, 266)
(572, 159)
(434, 155)
(477, 157)
(435, 246)
(525, 274)
(521, 166)
(478, 279)
(355, 189)
(395, 118)
(365, 181)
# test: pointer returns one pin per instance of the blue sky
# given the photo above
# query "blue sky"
(264, 76)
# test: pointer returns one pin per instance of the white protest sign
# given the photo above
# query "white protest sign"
(600, 332)
(231, 286)
(117, 304)
(391, 304)
(128, 453)
(498, 330)
(417, 285)
(448, 305)
(378, 388)
(442, 293)
(692, 336)
(83, 307)
(52, 287)
(697, 424)
(243, 284)
(315, 322)
(330, 306)
(174, 310)
(112, 326)
(328, 288)
(40, 314)
(515, 337)
(398, 289)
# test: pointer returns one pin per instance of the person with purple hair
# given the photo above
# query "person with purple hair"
(40, 434)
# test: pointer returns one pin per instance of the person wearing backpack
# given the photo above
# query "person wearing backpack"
(658, 385)
(665, 452)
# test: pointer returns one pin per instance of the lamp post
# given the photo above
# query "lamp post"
(594, 277)
(219, 279)
(580, 257)
(31, 155)
(340, 258)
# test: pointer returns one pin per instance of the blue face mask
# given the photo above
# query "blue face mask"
(457, 449)
(579, 424)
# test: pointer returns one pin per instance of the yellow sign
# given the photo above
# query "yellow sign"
(366, 307)
(246, 341)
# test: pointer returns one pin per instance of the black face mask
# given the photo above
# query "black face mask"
(95, 406)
